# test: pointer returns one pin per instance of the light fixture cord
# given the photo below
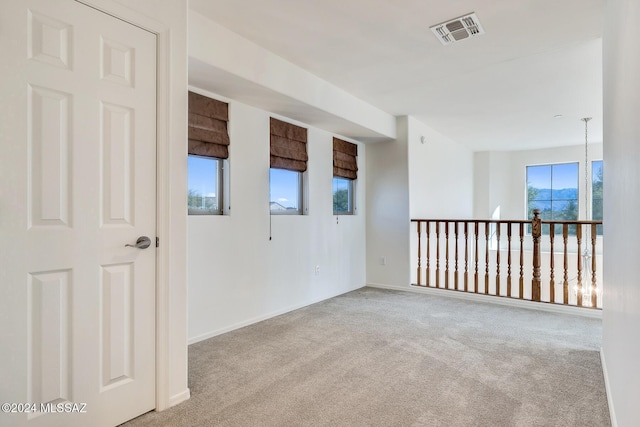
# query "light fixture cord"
(586, 196)
(586, 169)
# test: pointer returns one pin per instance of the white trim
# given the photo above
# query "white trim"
(491, 299)
(163, 224)
(180, 397)
(124, 13)
(607, 387)
(257, 319)
(163, 207)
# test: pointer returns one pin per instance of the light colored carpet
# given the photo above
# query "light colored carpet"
(384, 358)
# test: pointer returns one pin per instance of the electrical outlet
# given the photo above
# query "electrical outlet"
(317, 270)
(383, 260)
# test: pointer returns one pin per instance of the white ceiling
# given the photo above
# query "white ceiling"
(498, 91)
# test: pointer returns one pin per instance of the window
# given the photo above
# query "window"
(205, 185)
(342, 196)
(596, 193)
(345, 172)
(208, 151)
(288, 162)
(285, 192)
(554, 190)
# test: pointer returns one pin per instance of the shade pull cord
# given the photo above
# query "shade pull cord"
(269, 205)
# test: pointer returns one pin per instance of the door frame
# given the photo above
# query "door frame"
(166, 340)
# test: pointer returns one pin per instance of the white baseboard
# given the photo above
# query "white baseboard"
(179, 398)
(612, 412)
(257, 319)
(512, 302)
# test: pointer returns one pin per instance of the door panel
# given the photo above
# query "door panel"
(78, 129)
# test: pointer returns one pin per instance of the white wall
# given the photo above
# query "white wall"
(501, 177)
(440, 175)
(492, 181)
(388, 210)
(238, 276)
(409, 179)
(621, 317)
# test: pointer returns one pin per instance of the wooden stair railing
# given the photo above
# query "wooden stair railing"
(483, 241)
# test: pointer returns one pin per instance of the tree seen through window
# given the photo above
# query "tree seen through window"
(342, 196)
(596, 193)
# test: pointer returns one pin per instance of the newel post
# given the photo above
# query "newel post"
(536, 232)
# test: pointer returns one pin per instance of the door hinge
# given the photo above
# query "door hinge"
(157, 242)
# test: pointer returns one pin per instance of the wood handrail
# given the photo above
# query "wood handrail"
(509, 221)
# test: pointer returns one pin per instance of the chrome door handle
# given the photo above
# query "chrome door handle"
(143, 242)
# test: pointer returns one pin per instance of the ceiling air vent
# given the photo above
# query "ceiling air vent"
(458, 29)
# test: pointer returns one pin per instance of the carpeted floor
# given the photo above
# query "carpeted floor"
(384, 358)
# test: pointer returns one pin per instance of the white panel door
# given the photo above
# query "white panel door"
(78, 182)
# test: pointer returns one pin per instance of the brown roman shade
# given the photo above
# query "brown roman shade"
(208, 134)
(345, 164)
(288, 146)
